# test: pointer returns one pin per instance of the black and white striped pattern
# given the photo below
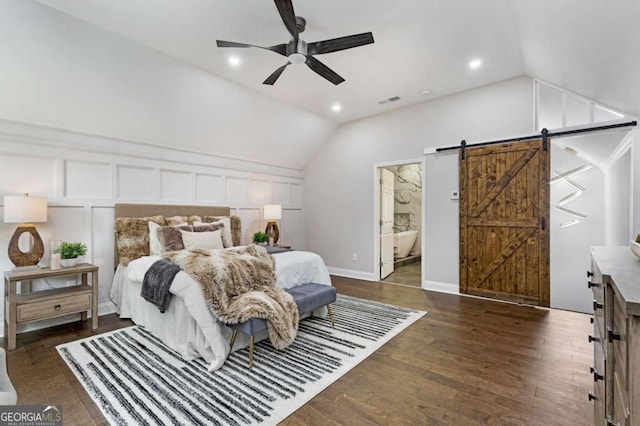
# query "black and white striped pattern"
(135, 379)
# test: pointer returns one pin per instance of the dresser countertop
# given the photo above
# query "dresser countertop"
(623, 268)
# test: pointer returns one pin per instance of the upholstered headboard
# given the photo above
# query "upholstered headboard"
(169, 210)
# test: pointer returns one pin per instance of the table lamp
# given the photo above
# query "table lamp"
(25, 210)
(272, 212)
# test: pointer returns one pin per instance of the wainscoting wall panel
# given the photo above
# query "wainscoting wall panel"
(260, 191)
(175, 186)
(88, 180)
(40, 180)
(137, 183)
(209, 188)
(237, 190)
(281, 193)
(85, 175)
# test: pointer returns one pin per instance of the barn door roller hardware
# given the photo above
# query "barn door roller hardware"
(544, 134)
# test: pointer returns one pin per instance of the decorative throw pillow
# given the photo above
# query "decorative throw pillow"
(225, 228)
(132, 236)
(170, 237)
(179, 220)
(208, 227)
(210, 240)
(155, 246)
(228, 237)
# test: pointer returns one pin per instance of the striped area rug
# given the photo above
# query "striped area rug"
(135, 379)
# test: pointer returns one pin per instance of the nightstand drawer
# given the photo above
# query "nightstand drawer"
(54, 307)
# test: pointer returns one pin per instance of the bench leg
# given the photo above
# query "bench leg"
(333, 324)
(251, 351)
(233, 339)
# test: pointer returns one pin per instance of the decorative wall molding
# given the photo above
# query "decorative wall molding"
(83, 176)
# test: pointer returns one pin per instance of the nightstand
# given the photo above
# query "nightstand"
(39, 305)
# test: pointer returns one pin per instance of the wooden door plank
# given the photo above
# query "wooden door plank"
(506, 252)
(543, 234)
(499, 185)
(462, 206)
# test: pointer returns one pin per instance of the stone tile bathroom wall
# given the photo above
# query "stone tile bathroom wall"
(408, 200)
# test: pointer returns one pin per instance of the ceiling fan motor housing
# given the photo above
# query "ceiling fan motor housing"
(297, 52)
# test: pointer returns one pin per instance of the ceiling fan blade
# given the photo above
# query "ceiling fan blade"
(280, 48)
(285, 7)
(323, 70)
(275, 75)
(222, 43)
(341, 43)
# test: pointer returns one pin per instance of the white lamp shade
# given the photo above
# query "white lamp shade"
(24, 209)
(272, 211)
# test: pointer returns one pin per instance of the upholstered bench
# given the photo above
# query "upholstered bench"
(308, 298)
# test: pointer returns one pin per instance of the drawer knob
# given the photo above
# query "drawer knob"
(612, 335)
(57, 307)
(593, 339)
(592, 284)
(592, 397)
(589, 274)
(597, 305)
(591, 320)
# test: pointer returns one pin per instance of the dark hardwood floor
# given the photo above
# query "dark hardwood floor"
(468, 361)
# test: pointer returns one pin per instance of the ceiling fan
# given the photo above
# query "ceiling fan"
(298, 51)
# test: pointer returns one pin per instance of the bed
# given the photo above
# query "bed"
(188, 325)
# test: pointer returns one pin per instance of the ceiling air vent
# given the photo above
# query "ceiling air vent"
(391, 99)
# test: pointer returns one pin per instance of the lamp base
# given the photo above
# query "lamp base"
(272, 229)
(30, 258)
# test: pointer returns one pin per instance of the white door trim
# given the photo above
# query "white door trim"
(376, 210)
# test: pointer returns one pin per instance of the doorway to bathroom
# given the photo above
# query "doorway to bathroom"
(400, 224)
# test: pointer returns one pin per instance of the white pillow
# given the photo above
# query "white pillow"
(227, 240)
(210, 240)
(155, 246)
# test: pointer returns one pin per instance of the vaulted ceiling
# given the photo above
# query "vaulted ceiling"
(587, 46)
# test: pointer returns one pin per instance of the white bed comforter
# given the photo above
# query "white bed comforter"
(189, 326)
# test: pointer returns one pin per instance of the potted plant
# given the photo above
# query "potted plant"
(69, 253)
(260, 238)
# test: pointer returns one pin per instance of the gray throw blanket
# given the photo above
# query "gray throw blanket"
(156, 283)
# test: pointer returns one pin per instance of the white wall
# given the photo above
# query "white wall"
(618, 201)
(63, 72)
(83, 176)
(571, 246)
(339, 182)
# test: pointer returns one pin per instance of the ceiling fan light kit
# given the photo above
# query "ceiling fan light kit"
(297, 51)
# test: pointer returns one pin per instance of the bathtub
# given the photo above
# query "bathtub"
(403, 243)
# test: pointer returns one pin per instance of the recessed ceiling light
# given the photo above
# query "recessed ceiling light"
(426, 92)
(475, 64)
(336, 107)
(234, 61)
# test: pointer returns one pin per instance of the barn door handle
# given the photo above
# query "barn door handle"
(543, 223)
(612, 335)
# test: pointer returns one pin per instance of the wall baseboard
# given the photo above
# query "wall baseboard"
(351, 273)
(441, 287)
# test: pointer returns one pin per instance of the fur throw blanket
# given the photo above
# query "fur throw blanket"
(238, 284)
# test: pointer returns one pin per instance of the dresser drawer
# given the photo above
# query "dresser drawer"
(54, 307)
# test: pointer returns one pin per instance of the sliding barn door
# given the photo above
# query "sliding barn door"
(504, 215)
